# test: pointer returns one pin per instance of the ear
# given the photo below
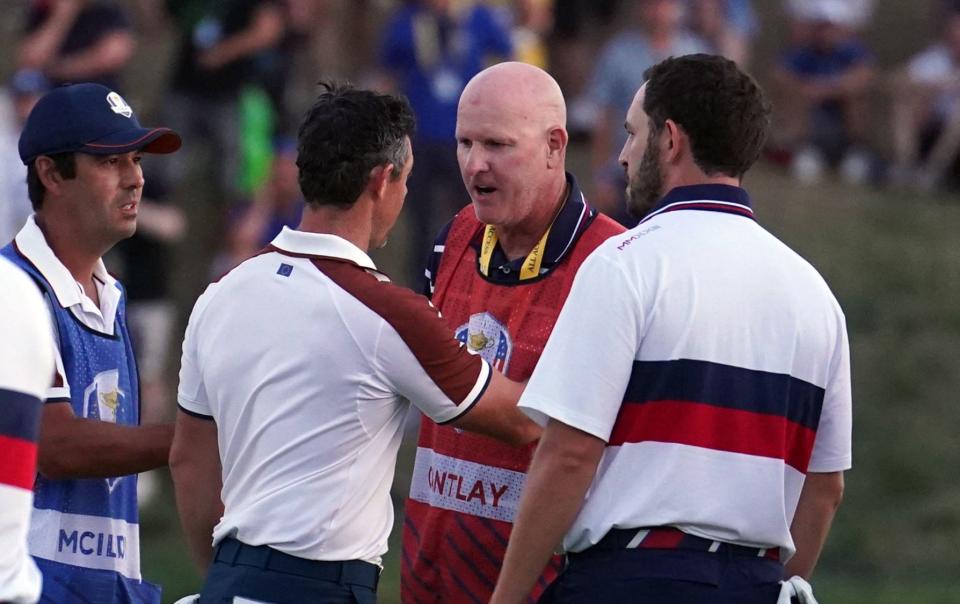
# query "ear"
(556, 146)
(675, 141)
(48, 174)
(377, 182)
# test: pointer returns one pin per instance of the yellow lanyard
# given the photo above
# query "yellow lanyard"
(531, 264)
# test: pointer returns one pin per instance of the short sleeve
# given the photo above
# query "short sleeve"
(191, 393)
(56, 384)
(27, 353)
(59, 390)
(419, 359)
(832, 447)
(433, 261)
(583, 372)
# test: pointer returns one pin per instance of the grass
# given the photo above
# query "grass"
(893, 260)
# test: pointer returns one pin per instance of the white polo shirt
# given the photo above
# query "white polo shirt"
(714, 362)
(31, 243)
(26, 369)
(304, 356)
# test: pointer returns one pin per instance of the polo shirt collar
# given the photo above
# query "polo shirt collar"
(302, 243)
(712, 198)
(571, 220)
(32, 244)
(574, 216)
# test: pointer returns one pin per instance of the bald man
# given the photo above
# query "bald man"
(500, 272)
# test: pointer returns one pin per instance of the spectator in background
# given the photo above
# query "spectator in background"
(274, 67)
(727, 26)
(77, 41)
(657, 32)
(534, 22)
(823, 79)
(25, 89)
(277, 204)
(926, 111)
(431, 49)
(219, 43)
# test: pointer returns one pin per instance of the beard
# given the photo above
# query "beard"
(645, 188)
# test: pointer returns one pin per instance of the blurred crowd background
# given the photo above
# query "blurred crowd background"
(865, 145)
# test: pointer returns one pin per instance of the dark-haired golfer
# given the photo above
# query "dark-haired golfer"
(295, 371)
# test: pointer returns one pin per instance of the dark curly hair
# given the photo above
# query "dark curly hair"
(722, 110)
(344, 135)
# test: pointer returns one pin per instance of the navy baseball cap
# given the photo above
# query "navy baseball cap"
(89, 118)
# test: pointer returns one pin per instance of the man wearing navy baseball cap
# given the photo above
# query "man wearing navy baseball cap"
(82, 147)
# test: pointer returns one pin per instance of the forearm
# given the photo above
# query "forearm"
(818, 504)
(496, 414)
(199, 507)
(108, 55)
(85, 448)
(197, 480)
(264, 32)
(560, 474)
(41, 46)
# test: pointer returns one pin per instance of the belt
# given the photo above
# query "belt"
(348, 572)
(667, 537)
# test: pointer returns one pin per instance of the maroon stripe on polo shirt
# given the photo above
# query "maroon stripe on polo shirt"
(454, 370)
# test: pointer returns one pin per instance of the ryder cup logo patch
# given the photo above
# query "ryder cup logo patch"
(118, 105)
(483, 334)
(102, 398)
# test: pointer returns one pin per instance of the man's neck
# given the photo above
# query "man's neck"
(73, 251)
(695, 177)
(518, 240)
(349, 224)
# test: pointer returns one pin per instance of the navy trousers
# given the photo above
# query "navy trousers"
(263, 574)
(665, 576)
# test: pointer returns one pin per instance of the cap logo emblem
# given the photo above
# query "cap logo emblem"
(118, 105)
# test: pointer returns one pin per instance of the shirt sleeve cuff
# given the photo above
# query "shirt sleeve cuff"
(57, 394)
(541, 412)
(194, 408)
(476, 393)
